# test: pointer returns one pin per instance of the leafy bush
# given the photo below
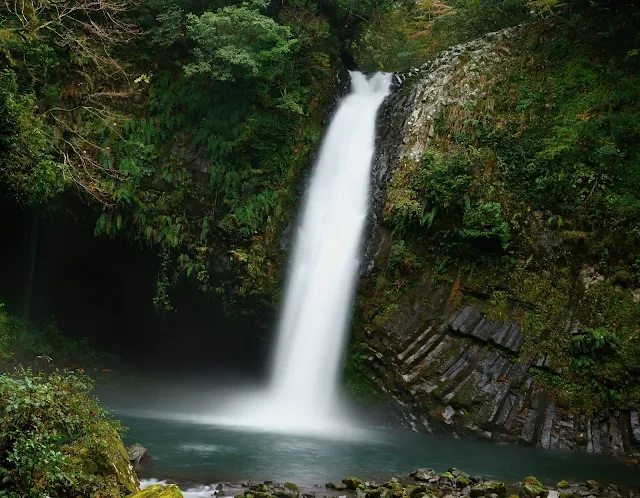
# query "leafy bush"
(435, 189)
(57, 441)
(484, 220)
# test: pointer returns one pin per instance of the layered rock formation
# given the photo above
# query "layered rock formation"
(448, 366)
(440, 356)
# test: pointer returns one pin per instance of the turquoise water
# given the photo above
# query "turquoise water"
(207, 453)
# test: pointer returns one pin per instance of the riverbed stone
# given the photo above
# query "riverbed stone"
(259, 488)
(425, 475)
(417, 489)
(380, 492)
(397, 490)
(488, 487)
(336, 486)
(352, 483)
(463, 482)
(457, 473)
(286, 490)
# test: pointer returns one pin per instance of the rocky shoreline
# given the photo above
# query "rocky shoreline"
(422, 483)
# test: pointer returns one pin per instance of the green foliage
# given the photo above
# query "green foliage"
(26, 164)
(485, 220)
(526, 186)
(412, 32)
(421, 194)
(56, 439)
(239, 42)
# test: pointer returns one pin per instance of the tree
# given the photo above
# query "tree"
(238, 42)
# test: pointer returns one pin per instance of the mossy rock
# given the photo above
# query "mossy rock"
(563, 485)
(447, 475)
(463, 482)
(532, 480)
(397, 489)
(293, 490)
(105, 458)
(159, 491)
(488, 487)
(532, 488)
(457, 473)
(352, 482)
(379, 493)
(567, 494)
(418, 489)
(263, 494)
(259, 488)
(338, 487)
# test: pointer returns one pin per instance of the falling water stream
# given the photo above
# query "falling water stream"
(312, 330)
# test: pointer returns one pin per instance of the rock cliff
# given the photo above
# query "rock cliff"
(441, 350)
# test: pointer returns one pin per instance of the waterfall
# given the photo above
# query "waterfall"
(313, 327)
(302, 396)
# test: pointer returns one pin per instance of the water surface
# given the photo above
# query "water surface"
(207, 453)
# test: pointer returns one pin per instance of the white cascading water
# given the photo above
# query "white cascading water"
(314, 322)
(302, 396)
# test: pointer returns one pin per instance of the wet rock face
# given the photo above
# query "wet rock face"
(406, 120)
(451, 369)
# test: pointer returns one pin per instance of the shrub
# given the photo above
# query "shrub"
(57, 441)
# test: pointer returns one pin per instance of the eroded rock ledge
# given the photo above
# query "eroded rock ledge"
(451, 367)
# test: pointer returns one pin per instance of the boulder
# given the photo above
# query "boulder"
(287, 490)
(425, 475)
(259, 488)
(532, 488)
(457, 473)
(417, 490)
(397, 490)
(463, 482)
(138, 454)
(379, 493)
(336, 486)
(159, 491)
(105, 464)
(352, 482)
(488, 487)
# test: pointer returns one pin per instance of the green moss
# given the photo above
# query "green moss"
(487, 488)
(352, 482)
(447, 475)
(498, 307)
(532, 488)
(159, 491)
(563, 484)
(463, 482)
